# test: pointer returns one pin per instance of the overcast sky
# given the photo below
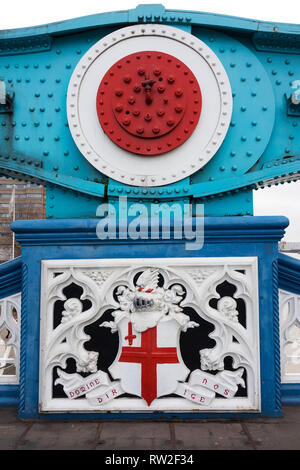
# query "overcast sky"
(283, 200)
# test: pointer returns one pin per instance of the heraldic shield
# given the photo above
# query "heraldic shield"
(150, 366)
(154, 338)
(149, 362)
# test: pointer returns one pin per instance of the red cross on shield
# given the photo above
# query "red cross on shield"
(149, 364)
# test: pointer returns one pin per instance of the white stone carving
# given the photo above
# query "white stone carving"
(73, 307)
(10, 318)
(227, 306)
(98, 277)
(149, 300)
(289, 311)
(146, 304)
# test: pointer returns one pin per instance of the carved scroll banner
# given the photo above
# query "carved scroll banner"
(202, 387)
(75, 386)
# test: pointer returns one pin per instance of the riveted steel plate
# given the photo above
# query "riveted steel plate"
(149, 103)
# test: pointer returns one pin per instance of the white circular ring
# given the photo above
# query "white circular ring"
(170, 167)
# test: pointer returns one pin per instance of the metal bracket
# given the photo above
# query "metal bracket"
(293, 104)
(276, 42)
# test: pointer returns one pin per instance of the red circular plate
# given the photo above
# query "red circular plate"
(149, 103)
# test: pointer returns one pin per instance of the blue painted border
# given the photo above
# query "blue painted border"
(289, 273)
(10, 284)
(290, 394)
(9, 395)
(76, 239)
(242, 229)
(10, 277)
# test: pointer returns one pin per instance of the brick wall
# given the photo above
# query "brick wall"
(29, 204)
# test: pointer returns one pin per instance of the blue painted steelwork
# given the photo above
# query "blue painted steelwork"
(261, 149)
(76, 239)
(289, 273)
(36, 64)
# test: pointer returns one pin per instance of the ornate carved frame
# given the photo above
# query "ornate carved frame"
(199, 276)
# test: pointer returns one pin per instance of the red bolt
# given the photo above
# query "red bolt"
(171, 79)
(141, 71)
(166, 100)
(137, 89)
(131, 100)
(127, 79)
(179, 92)
(160, 112)
(119, 108)
(161, 89)
(178, 109)
(170, 123)
(136, 112)
(148, 117)
(156, 130)
(156, 72)
(140, 130)
(118, 92)
(126, 122)
(148, 148)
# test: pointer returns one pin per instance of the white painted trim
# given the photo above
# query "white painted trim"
(15, 329)
(292, 302)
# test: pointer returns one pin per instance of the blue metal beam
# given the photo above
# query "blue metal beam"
(152, 13)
